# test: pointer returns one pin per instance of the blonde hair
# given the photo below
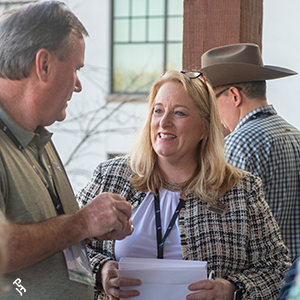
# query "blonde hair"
(213, 176)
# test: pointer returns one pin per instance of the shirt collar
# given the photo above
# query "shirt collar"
(22, 135)
(268, 109)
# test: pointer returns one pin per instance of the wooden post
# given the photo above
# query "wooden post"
(213, 23)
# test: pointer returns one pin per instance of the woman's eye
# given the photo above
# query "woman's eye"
(180, 113)
(157, 111)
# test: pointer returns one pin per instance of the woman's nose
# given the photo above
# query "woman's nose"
(166, 120)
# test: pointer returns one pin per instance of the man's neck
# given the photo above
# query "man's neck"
(14, 100)
(250, 105)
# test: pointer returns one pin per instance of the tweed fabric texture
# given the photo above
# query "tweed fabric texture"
(244, 245)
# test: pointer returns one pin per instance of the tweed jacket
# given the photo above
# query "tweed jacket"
(243, 246)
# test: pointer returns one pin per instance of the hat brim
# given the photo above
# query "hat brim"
(227, 73)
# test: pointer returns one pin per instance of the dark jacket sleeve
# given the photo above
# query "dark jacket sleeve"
(289, 280)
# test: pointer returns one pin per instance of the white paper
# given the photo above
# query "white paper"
(162, 278)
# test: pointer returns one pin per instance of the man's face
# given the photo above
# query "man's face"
(64, 82)
(228, 111)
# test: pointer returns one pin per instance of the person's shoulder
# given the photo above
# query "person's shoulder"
(248, 193)
(282, 124)
(116, 161)
(116, 165)
(244, 136)
(249, 181)
(250, 130)
(268, 127)
(260, 132)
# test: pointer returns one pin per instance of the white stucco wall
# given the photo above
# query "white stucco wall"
(281, 47)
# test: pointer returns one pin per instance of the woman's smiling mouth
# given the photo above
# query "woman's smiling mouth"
(167, 136)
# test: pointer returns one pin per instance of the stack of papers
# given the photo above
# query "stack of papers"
(162, 278)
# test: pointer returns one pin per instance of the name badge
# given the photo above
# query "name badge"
(217, 207)
(78, 264)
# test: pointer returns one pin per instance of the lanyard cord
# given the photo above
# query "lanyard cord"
(55, 199)
(161, 240)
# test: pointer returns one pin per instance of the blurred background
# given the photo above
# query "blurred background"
(130, 43)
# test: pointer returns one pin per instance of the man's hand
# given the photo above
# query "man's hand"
(107, 217)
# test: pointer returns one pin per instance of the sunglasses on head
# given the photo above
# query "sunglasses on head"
(194, 75)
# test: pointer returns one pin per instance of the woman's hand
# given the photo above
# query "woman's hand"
(111, 282)
(217, 289)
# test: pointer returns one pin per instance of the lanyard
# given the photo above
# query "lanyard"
(56, 201)
(161, 240)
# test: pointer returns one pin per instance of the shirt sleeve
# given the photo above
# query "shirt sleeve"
(289, 280)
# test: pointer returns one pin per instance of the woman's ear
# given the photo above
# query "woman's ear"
(43, 63)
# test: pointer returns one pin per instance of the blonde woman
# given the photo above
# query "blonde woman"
(177, 164)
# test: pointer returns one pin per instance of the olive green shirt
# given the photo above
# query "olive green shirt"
(24, 198)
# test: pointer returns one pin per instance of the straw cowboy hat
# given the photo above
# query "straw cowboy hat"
(238, 63)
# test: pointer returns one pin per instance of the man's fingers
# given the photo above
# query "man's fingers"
(123, 210)
(121, 204)
(118, 235)
(107, 215)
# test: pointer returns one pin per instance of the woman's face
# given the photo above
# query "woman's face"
(176, 125)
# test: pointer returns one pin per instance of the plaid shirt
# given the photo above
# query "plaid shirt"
(243, 246)
(267, 146)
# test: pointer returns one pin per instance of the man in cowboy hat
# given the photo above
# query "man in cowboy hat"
(258, 140)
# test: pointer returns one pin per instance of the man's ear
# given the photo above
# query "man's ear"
(236, 95)
(43, 64)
